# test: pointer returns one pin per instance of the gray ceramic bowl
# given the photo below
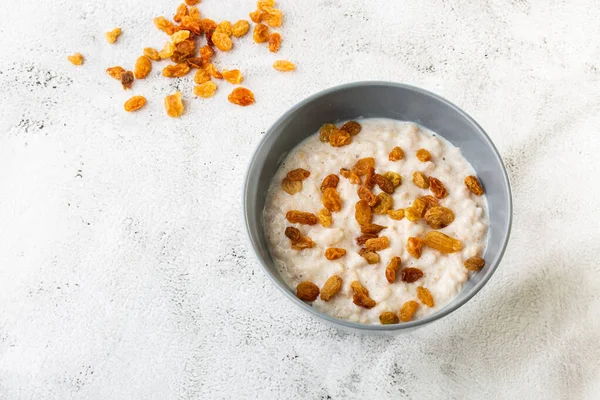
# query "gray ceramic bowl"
(389, 100)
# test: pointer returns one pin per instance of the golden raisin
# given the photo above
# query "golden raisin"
(350, 175)
(425, 296)
(392, 268)
(339, 138)
(370, 256)
(383, 183)
(423, 155)
(388, 318)
(225, 27)
(180, 36)
(414, 246)
(369, 183)
(437, 188)
(113, 35)
(298, 174)
(214, 72)
(293, 233)
(410, 275)
(201, 76)
(362, 239)
(331, 200)
(325, 131)
(289, 186)
(363, 165)
(127, 79)
(371, 228)
(184, 50)
(396, 154)
(208, 25)
(255, 16)
(430, 201)
(181, 12)
(366, 195)
(233, 76)
(383, 204)
(331, 287)
(363, 213)
(260, 4)
(206, 53)
(473, 185)
(274, 42)
(377, 244)
(393, 177)
(206, 89)
(407, 310)
(240, 28)
(474, 263)
(416, 211)
(361, 295)
(396, 214)
(134, 103)
(330, 181)
(307, 291)
(272, 17)
(301, 217)
(196, 62)
(115, 72)
(442, 242)
(261, 33)
(333, 253)
(176, 71)
(222, 41)
(303, 243)
(192, 2)
(174, 105)
(324, 217)
(75, 59)
(420, 180)
(439, 217)
(167, 51)
(194, 12)
(241, 96)
(191, 24)
(143, 66)
(352, 127)
(284, 66)
(164, 25)
(151, 53)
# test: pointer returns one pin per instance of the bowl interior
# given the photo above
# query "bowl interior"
(386, 100)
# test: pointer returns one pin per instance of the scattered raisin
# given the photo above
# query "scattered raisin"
(222, 41)
(393, 177)
(392, 268)
(396, 214)
(363, 165)
(274, 42)
(383, 204)
(233, 76)
(388, 318)
(430, 201)
(293, 233)
(325, 131)
(180, 36)
(425, 296)
(303, 243)
(350, 175)
(272, 17)
(366, 195)
(143, 66)
(330, 181)
(298, 174)
(201, 76)
(361, 296)
(420, 180)
(383, 183)
(241, 96)
(134, 103)
(331, 287)
(363, 213)
(181, 12)
(206, 89)
(261, 33)
(113, 35)
(324, 217)
(255, 16)
(240, 28)
(76, 59)
(174, 105)
(371, 228)
(442, 242)
(378, 244)
(284, 65)
(176, 70)
(127, 79)
(115, 72)
(362, 239)
(369, 183)
(225, 27)
(407, 310)
(439, 217)
(151, 53)
(370, 256)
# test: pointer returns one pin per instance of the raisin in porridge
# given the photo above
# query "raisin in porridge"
(376, 221)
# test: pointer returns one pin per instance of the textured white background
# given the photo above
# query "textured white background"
(124, 267)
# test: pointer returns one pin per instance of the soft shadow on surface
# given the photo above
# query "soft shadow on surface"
(541, 324)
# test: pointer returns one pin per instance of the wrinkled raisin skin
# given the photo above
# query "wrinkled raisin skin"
(127, 79)
(241, 96)
(301, 217)
(410, 275)
(330, 181)
(473, 184)
(352, 127)
(291, 187)
(307, 291)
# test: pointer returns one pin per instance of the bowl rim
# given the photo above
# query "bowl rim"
(355, 325)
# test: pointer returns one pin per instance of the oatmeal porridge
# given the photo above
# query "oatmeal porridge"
(376, 221)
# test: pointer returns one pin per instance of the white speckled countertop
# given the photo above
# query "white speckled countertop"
(124, 267)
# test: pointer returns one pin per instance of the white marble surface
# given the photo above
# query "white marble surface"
(124, 266)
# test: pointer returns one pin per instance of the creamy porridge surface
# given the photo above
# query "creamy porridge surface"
(444, 274)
